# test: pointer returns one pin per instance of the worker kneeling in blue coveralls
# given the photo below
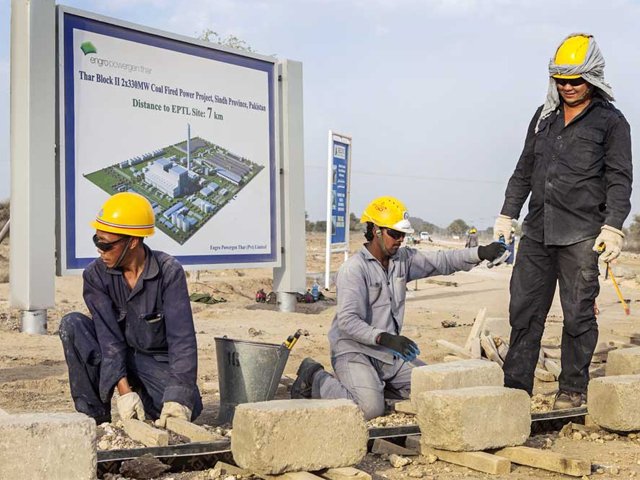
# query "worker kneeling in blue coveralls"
(141, 337)
(370, 358)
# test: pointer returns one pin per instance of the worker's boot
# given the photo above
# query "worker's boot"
(565, 399)
(301, 388)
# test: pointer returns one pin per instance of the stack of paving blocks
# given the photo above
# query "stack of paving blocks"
(614, 401)
(298, 435)
(462, 406)
(52, 446)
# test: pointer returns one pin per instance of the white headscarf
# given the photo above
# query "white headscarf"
(592, 70)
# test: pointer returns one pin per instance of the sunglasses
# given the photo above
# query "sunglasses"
(574, 82)
(395, 234)
(106, 246)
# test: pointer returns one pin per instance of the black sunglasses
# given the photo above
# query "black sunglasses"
(106, 246)
(395, 234)
(574, 82)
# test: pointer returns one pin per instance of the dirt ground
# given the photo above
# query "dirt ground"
(33, 376)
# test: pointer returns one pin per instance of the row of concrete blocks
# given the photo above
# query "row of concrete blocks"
(461, 406)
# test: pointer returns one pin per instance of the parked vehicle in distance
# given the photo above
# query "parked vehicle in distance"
(425, 237)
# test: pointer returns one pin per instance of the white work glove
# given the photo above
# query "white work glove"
(612, 239)
(130, 406)
(502, 227)
(175, 410)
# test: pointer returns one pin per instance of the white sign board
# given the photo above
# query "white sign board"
(189, 126)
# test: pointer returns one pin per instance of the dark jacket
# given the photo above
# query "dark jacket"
(153, 319)
(579, 176)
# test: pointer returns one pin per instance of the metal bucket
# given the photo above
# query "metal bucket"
(247, 372)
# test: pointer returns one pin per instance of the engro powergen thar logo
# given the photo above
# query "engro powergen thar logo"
(89, 48)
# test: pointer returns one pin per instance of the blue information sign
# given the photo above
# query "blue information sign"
(339, 183)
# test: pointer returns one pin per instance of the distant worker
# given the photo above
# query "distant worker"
(140, 337)
(576, 167)
(472, 238)
(370, 358)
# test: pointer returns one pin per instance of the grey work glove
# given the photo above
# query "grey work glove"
(492, 251)
(612, 239)
(130, 406)
(502, 227)
(174, 410)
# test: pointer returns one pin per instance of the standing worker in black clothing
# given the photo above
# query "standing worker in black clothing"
(140, 338)
(576, 165)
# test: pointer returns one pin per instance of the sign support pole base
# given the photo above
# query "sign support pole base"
(34, 322)
(287, 302)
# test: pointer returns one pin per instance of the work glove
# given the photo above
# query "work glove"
(492, 251)
(502, 227)
(402, 346)
(612, 240)
(130, 406)
(174, 410)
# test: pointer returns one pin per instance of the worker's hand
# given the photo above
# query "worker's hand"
(612, 240)
(502, 227)
(403, 346)
(130, 406)
(175, 410)
(492, 251)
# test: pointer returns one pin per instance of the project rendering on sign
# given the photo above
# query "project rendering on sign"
(190, 126)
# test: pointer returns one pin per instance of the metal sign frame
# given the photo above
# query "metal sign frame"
(70, 19)
(334, 173)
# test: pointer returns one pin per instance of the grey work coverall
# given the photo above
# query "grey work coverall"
(145, 333)
(371, 301)
(579, 177)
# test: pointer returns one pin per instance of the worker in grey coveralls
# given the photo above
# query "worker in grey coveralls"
(140, 338)
(576, 170)
(370, 358)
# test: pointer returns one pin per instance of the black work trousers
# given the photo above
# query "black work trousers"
(148, 375)
(533, 285)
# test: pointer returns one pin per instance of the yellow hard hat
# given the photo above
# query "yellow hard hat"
(473, 230)
(126, 213)
(573, 51)
(387, 212)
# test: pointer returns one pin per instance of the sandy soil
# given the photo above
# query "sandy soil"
(33, 376)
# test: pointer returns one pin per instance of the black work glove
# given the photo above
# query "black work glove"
(492, 251)
(404, 347)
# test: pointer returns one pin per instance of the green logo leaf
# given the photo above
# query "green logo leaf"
(87, 47)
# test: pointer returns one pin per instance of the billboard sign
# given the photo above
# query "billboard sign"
(190, 126)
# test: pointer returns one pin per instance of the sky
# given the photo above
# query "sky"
(437, 94)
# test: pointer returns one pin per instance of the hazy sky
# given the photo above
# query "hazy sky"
(437, 94)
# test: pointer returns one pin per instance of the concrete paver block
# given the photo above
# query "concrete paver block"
(144, 433)
(460, 374)
(613, 402)
(55, 446)
(475, 418)
(193, 432)
(298, 435)
(625, 361)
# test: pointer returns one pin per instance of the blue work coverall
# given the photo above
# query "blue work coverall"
(371, 300)
(145, 334)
